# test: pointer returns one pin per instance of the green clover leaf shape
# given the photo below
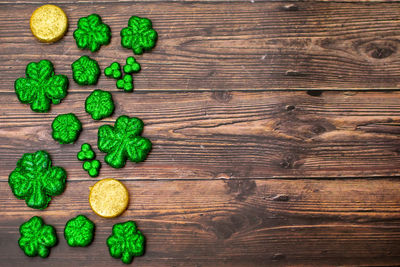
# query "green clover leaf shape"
(41, 87)
(36, 237)
(99, 104)
(66, 128)
(126, 83)
(139, 35)
(131, 65)
(92, 33)
(126, 242)
(92, 167)
(113, 71)
(79, 231)
(86, 152)
(35, 180)
(123, 141)
(86, 71)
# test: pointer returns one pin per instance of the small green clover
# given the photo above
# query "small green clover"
(36, 237)
(86, 71)
(126, 242)
(92, 33)
(41, 87)
(86, 152)
(35, 180)
(79, 231)
(92, 167)
(113, 71)
(66, 128)
(123, 141)
(99, 104)
(126, 83)
(139, 35)
(131, 65)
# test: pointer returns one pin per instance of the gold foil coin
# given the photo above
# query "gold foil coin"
(108, 198)
(49, 23)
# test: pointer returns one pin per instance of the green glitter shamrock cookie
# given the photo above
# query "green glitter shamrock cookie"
(99, 104)
(92, 33)
(126, 242)
(126, 83)
(86, 71)
(41, 87)
(139, 35)
(131, 65)
(66, 128)
(113, 71)
(123, 141)
(86, 152)
(35, 180)
(37, 238)
(79, 231)
(92, 167)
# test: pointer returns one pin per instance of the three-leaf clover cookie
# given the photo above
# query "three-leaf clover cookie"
(126, 83)
(113, 71)
(66, 128)
(37, 238)
(41, 87)
(36, 180)
(99, 104)
(92, 33)
(126, 242)
(139, 35)
(123, 141)
(92, 167)
(86, 71)
(79, 231)
(131, 65)
(86, 152)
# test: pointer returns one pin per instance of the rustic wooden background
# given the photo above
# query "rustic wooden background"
(275, 128)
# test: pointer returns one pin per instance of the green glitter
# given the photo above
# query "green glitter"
(86, 152)
(113, 71)
(36, 237)
(139, 35)
(41, 87)
(99, 104)
(131, 65)
(123, 141)
(86, 71)
(126, 83)
(35, 180)
(126, 242)
(92, 33)
(79, 231)
(66, 128)
(92, 167)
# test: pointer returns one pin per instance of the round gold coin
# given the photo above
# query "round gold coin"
(108, 198)
(49, 23)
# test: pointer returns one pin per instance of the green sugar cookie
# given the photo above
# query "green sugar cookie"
(123, 141)
(92, 33)
(131, 65)
(139, 35)
(41, 87)
(126, 242)
(37, 238)
(113, 71)
(66, 128)
(126, 83)
(86, 71)
(99, 104)
(79, 231)
(92, 167)
(36, 180)
(86, 152)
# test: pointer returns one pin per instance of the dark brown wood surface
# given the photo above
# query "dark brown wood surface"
(255, 162)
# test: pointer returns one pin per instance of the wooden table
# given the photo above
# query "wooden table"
(275, 128)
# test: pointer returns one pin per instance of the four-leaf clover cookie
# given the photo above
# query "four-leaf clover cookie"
(66, 128)
(99, 104)
(126, 242)
(86, 71)
(79, 231)
(37, 238)
(36, 180)
(41, 87)
(92, 33)
(123, 141)
(139, 35)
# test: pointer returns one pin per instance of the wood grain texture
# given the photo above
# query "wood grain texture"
(235, 46)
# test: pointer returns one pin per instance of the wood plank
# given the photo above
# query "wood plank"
(209, 135)
(228, 223)
(242, 46)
